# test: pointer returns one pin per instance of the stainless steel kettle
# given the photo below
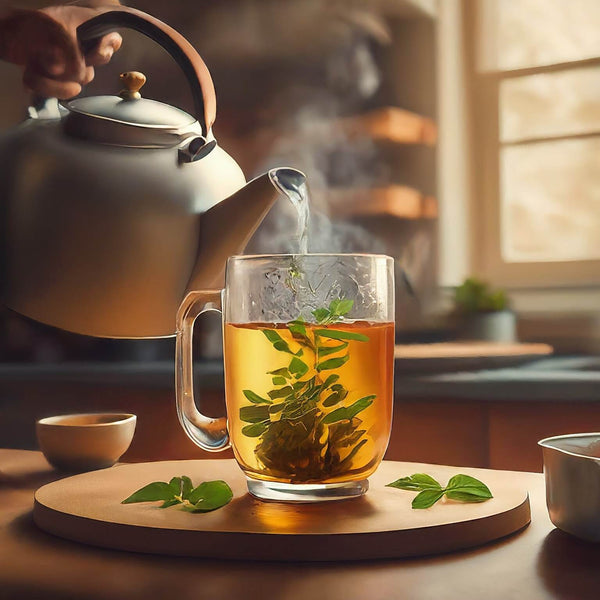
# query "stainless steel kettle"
(112, 211)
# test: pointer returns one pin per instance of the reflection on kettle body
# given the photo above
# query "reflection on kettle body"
(115, 210)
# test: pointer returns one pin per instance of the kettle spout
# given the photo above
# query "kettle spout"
(227, 227)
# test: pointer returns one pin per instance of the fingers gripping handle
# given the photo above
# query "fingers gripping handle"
(189, 61)
(208, 433)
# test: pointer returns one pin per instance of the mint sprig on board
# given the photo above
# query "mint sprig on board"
(208, 496)
(462, 488)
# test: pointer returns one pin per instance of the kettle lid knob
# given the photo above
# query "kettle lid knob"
(133, 82)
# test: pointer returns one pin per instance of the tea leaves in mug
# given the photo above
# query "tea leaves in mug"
(278, 342)
(348, 412)
(332, 363)
(341, 335)
(283, 372)
(298, 368)
(255, 430)
(254, 414)
(283, 392)
(308, 429)
(327, 350)
(255, 398)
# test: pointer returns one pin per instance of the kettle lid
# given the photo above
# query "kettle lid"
(128, 119)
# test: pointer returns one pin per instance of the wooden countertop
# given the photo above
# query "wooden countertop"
(538, 563)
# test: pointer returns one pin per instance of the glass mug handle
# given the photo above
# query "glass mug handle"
(208, 433)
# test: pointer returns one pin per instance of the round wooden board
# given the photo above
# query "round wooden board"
(86, 508)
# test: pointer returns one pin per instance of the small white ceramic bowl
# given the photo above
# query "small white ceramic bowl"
(85, 442)
(572, 470)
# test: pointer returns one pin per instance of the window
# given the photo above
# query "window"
(536, 141)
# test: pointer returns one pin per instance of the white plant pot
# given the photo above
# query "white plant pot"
(498, 326)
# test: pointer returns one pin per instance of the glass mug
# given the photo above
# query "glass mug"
(308, 344)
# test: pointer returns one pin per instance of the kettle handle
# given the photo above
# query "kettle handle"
(184, 54)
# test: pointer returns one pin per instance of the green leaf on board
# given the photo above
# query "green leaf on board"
(416, 482)
(209, 496)
(427, 498)
(158, 490)
(461, 488)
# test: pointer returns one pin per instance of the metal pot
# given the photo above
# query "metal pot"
(113, 207)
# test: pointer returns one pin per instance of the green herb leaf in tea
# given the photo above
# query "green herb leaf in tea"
(305, 427)
(255, 398)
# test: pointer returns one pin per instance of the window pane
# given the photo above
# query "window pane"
(550, 199)
(515, 34)
(549, 104)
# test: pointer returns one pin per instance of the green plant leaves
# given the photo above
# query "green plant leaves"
(278, 342)
(474, 295)
(255, 398)
(321, 315)
(283, 392)
(465, 488)
(255, 430)
(334, 334)
(254, 414)
(298, 368)
(348, 412)
(302, 424)
(418, 481)
(337, 309)
(158, 490)
(332, 363)
(208, 496)
(462, 488)
(327, 350)
(427, 498)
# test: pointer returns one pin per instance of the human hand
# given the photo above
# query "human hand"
(44, 42)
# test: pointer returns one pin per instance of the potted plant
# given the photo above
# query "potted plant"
(483, 313)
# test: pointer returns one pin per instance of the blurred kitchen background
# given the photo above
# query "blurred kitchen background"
(460, 137)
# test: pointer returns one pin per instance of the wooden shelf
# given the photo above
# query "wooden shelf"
(395, 201)
(390, 124)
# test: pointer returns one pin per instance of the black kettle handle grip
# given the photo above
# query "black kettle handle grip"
(184, 54)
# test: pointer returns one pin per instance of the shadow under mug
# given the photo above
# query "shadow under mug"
(308, 344)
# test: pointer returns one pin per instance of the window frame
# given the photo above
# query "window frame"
(485, 158)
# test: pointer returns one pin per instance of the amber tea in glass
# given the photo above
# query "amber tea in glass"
(308, 350)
